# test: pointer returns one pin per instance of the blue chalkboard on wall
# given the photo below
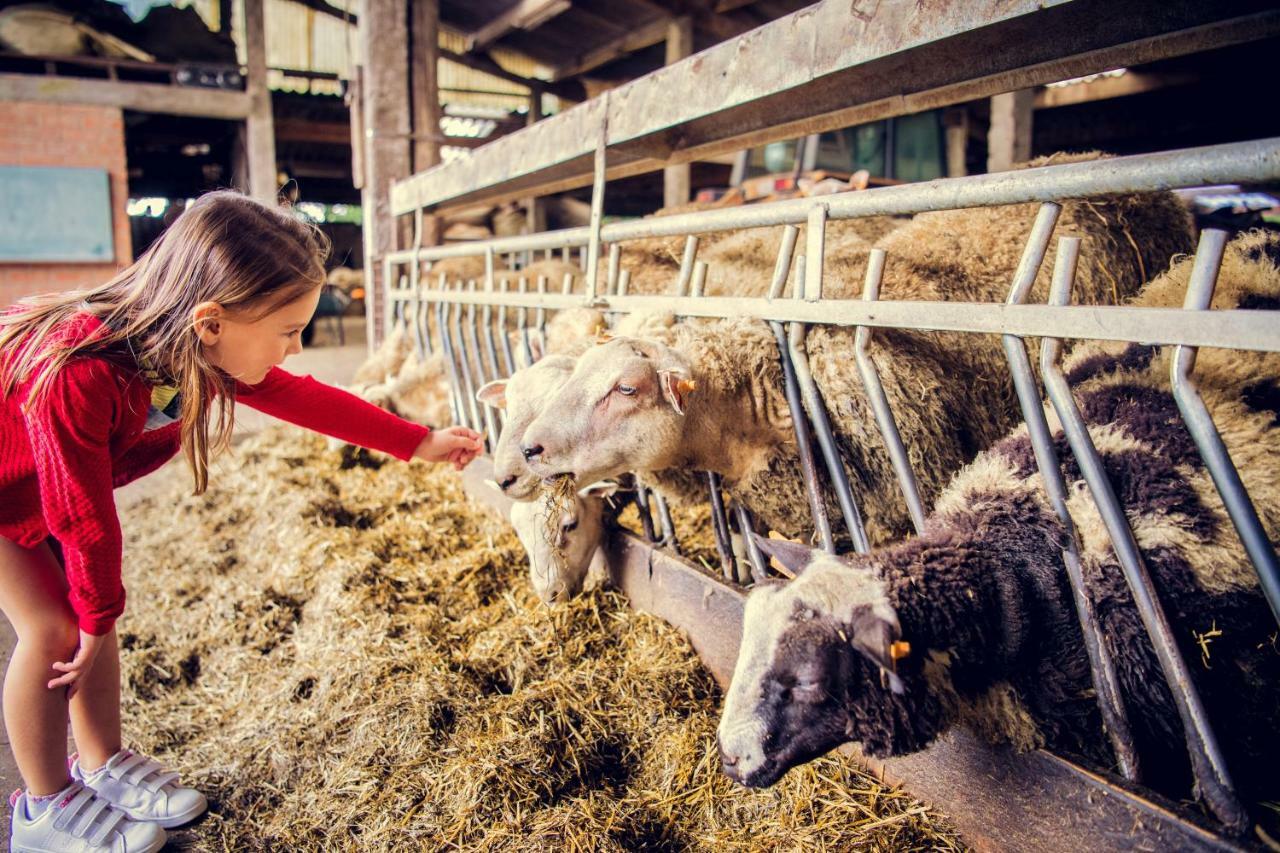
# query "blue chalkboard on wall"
(55, 215)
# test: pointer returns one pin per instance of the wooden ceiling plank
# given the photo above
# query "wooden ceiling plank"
(638, 39)
(525, 15)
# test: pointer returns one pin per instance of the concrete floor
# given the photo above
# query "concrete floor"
(327, 362)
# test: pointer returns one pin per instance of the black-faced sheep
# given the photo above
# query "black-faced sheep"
(983, 600)
(623, 408)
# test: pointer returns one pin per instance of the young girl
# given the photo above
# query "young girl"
(98, 388)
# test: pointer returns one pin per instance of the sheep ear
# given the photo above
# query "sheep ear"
(875, 634)
(676, 387)
(602, 489)
(538, 346)
(493, 393)
(793, 557)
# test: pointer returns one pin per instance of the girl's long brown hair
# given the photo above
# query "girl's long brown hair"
(225, 248)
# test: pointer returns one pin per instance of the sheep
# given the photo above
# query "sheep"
(561, 550)
(981, 602)
(624, 407)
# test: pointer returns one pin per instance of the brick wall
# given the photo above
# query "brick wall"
(37, 134)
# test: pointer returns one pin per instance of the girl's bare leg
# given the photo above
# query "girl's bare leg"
(95, 708)
(33, 596)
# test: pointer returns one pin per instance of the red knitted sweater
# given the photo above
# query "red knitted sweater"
(61, 460)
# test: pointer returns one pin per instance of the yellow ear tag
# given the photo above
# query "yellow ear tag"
(899, 650)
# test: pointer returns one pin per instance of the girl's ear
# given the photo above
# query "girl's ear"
(207, 320)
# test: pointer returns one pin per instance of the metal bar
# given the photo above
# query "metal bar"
(686, 265)
(800, 423)
(782, 267)
(508, 356)
(815, 251)
(642, 509)
(880, 402)
(1115, 720)
(597, 205)
(757, 565)
(1213, 781)
(817, 409)
(615, 258)
(468, 387)
(669, 539)
(720, 526)
(1229, 329)
(457, 388)
(472, 329)
(699, 281)
(540, 315)
(1204, 275)
(522, 323)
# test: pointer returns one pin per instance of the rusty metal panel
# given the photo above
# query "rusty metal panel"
(831, 65)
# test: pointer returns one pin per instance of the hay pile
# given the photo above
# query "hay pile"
(343, 654)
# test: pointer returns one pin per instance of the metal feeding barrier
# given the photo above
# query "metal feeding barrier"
(479, 346)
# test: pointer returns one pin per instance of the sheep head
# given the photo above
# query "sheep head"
(621, 410)
(558, 568)
(522, 397)
(808, 647)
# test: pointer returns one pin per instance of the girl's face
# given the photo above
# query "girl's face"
(245, 348)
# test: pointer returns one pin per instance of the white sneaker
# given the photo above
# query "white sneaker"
(142, 789)
(79, 821)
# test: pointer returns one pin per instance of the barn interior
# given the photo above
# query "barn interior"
(344, 650)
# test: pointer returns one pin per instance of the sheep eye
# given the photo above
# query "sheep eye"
(569, 527)
(625, 390)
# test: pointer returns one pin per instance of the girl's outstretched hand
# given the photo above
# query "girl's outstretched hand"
(457, 445)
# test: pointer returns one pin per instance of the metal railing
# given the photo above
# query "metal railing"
(471, 355)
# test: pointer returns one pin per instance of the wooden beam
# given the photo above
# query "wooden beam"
(384, 43)
(675, 179)
(1009, 139)
(261, 139)
(1104, 88)
(566, 90)
(424, 84)
(142, 97)
(821, 68)
(638, 39)
(729, 5)
(525, 15)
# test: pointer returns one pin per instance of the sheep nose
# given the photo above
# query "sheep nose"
(531, 451)
(507, 483)
(728, 763)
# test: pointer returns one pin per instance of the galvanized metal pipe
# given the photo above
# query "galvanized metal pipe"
(642, 509)
(597, 207)
(1252, 162)
(686, 265)
(668, 524)
(489, 421)
(1204, 275)
(451, 369)
(508, 356)
(1115, 721)
(720, 526)
(522, 324)
(757, 568)
(540, 316)
(812, 397)
(464, 369)
(452, 333)
(1213, 781)
(800, 424)
(880, 401)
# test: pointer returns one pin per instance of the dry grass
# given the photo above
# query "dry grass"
(345, 654)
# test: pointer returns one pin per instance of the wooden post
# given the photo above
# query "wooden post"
(675, 179)
(956, 122)
(535, 206)
(1009, 139)
(424, 62)
(384, 42)
(260, 139)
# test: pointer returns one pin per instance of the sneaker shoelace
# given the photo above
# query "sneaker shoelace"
(93, 817)
(142, 772)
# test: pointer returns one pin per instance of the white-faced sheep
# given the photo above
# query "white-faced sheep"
(631, 403)
(982, 598)
(562, 540)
